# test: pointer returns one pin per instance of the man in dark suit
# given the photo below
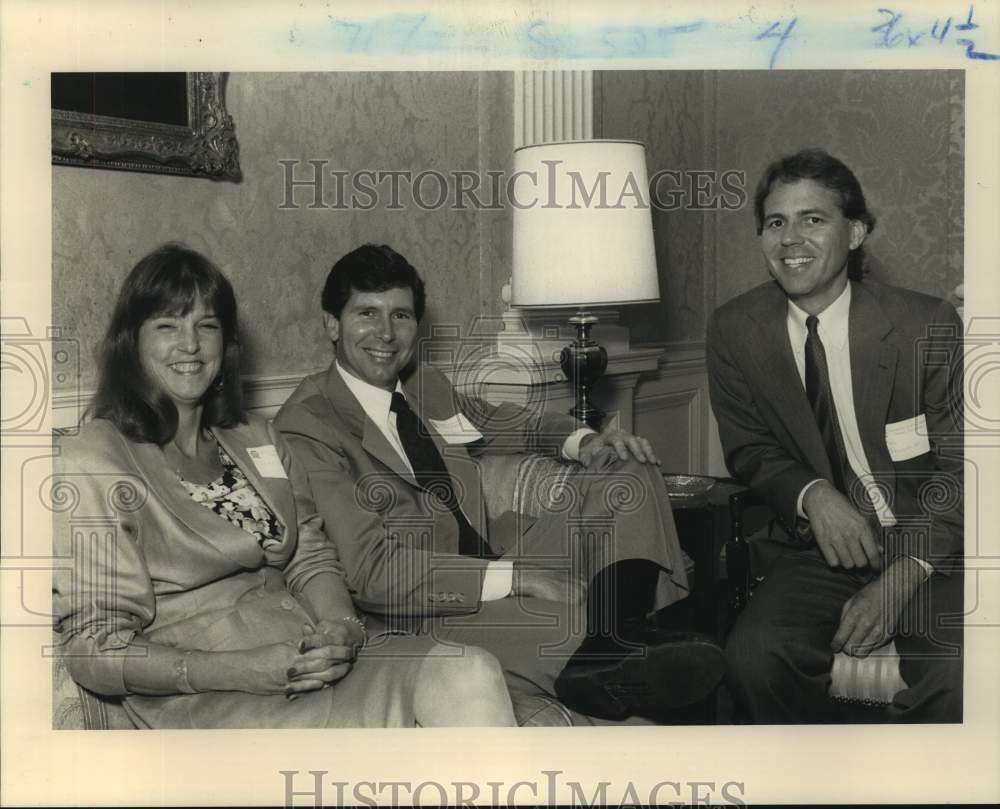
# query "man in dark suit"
(839, 399)
(391, 452)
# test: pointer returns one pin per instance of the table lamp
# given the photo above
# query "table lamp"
(583, 238)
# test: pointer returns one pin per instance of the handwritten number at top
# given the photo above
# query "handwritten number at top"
(772, 33)
(891, 37)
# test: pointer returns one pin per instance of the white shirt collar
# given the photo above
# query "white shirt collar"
(833, 320)
(375, 401)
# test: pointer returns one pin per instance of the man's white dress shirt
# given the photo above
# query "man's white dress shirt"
(375, 401)
(833, 332)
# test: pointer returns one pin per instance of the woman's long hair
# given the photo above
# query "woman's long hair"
(167, 281)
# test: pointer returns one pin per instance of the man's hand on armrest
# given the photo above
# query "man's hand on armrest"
(624, 444)
(844, 537)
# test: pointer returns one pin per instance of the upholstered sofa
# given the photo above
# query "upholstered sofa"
(513, 482)
(524, 483)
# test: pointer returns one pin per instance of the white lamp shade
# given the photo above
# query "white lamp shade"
(583, 232)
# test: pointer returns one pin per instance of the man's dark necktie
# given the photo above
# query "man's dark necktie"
(432, 475)
(821, 398)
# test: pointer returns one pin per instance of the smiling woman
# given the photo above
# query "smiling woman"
(172, 349)
(182, 352)
(210, 596)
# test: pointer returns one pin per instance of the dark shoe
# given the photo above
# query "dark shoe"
(678, 617)
(659, 672)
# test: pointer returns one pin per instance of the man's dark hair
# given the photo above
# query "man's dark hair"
(828, 171)
(371, 268)
(169, 280)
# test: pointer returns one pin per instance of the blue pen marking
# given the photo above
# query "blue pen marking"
(399, 33)
(944, 31)
(970, 46)
(408, 30)
(972, 53)
(625, 43)
(353, 29)
(547, 41)
(782, 38)
(889, 39)
(540, 44)
(542, 39)
(892, 34)
(968, 25)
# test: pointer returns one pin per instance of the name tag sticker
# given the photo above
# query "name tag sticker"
(456, 430)
(266, 460)
(908, 438)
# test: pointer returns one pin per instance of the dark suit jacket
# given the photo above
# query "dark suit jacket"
(906, 360)
(398, 545)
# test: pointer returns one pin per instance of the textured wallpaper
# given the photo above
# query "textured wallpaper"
(103, 221)
(902, 132)
(666, 112)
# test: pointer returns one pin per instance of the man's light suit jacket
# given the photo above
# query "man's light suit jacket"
(398, 545)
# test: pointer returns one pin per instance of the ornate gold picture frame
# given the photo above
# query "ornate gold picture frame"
(205, 147)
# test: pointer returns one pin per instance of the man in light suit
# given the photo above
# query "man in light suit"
(391, 452)
(839, 399)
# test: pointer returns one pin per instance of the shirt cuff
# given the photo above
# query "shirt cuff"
(927, 566)
(571, 446)
(802, 496)
(498, 580)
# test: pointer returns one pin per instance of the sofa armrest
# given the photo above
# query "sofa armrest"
(872, 680)
(76, 708)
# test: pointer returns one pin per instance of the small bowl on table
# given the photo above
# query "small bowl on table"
(686, 489)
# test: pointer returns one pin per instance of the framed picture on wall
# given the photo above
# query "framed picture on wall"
(165, 123)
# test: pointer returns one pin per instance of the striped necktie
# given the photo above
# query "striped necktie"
(821, 399)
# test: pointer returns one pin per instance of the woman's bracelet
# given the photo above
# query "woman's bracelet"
(355, 620)
(181, 675)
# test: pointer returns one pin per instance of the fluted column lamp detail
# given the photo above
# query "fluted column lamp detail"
(583, 238)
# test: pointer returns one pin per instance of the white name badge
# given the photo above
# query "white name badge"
(456, 430)
(908, 438)
(266, 460)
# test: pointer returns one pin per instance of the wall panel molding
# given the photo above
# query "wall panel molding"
(688, 403)
(670, 406)
(672, 409)
(553, 105)
(262, 395)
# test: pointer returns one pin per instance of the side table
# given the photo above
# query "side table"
(703, 528)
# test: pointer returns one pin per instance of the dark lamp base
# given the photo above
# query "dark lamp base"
(584, 361)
